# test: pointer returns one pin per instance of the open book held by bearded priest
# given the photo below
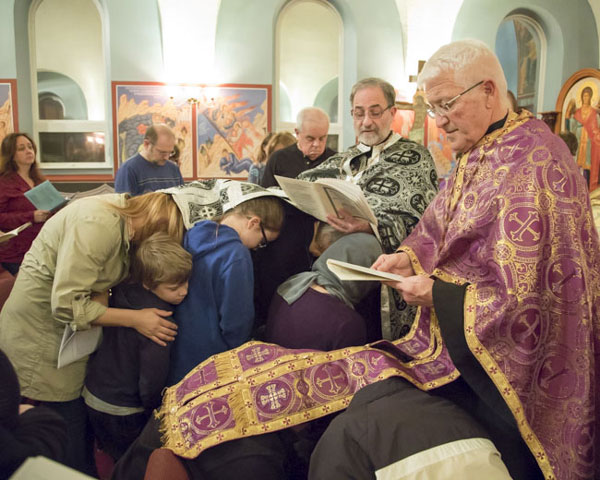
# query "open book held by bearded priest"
(327, 196)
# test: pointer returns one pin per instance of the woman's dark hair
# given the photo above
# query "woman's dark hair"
(7, 157)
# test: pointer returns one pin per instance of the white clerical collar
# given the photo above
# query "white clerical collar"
(374, 151)
(393, 138)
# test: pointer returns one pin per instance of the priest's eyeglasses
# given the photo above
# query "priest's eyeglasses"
(444, 107)
(373, 112)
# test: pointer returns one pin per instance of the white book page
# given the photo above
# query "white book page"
(6, 236)
(349, 271)
(350, 189)
(77, 344)
(355, 197)
(307, 196)
(42, 468)
(321, 198)
(340, 201)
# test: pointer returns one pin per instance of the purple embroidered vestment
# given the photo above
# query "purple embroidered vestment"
(515, 223)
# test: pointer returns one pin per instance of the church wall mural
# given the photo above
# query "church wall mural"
(579, 117)
(8, 107)
(217, 128)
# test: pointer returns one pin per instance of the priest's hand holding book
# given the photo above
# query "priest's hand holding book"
(337, 202)
(415, 289)
(348, 224)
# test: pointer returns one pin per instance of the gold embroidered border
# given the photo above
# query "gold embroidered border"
(414, 260)
(513, 121)
(434, 329)
(502, 384)
(229, 368)
(418, 270)
(240, 399)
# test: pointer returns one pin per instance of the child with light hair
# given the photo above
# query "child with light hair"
(126, 376)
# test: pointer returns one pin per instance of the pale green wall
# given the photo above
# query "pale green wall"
(239, 60)
(69, 92)
(8, 59)
(569, 26)
(135, 40)
(245, 38)
(244, 47)
(21, 39)
(132, 49)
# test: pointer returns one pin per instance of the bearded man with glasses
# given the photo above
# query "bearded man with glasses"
(149, 170)
(396, 175)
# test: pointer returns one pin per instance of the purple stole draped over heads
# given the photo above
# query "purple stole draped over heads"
(261, 387)
(515, 223)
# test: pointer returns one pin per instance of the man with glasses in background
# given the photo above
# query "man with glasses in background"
(312, 127)
(396, 175)
(149, 170)
(289, 254)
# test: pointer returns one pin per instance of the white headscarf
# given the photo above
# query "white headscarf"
(207, 199)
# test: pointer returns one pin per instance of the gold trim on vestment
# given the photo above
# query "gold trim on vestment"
(502, 384)
(482, 355)
(238, 390)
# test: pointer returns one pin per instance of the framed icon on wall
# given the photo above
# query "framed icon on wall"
(578, 105)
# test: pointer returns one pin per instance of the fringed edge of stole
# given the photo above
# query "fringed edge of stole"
(297, 373)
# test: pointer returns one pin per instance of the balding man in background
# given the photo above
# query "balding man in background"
(312, 125)
(289, 254)
(150, 169)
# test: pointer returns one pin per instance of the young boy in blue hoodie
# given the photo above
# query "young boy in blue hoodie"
(127, 374)
(218, 313)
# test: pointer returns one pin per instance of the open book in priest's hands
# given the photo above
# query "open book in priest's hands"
(327, 196)
(349, 271)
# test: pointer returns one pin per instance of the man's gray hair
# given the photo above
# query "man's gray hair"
(460, 57)
(310, 113)
(388, 90)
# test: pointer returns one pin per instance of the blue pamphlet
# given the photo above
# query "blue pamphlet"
(45, 197)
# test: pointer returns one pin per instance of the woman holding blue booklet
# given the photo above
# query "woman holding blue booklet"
(19, 173)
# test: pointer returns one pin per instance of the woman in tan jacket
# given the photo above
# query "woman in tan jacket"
(82, 250)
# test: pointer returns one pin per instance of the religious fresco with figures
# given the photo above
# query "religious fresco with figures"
(578, 105)
(217, 129)
(8, 113)
(136, 106)
(231, 122)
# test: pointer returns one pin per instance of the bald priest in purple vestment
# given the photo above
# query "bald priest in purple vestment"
(505, 262)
